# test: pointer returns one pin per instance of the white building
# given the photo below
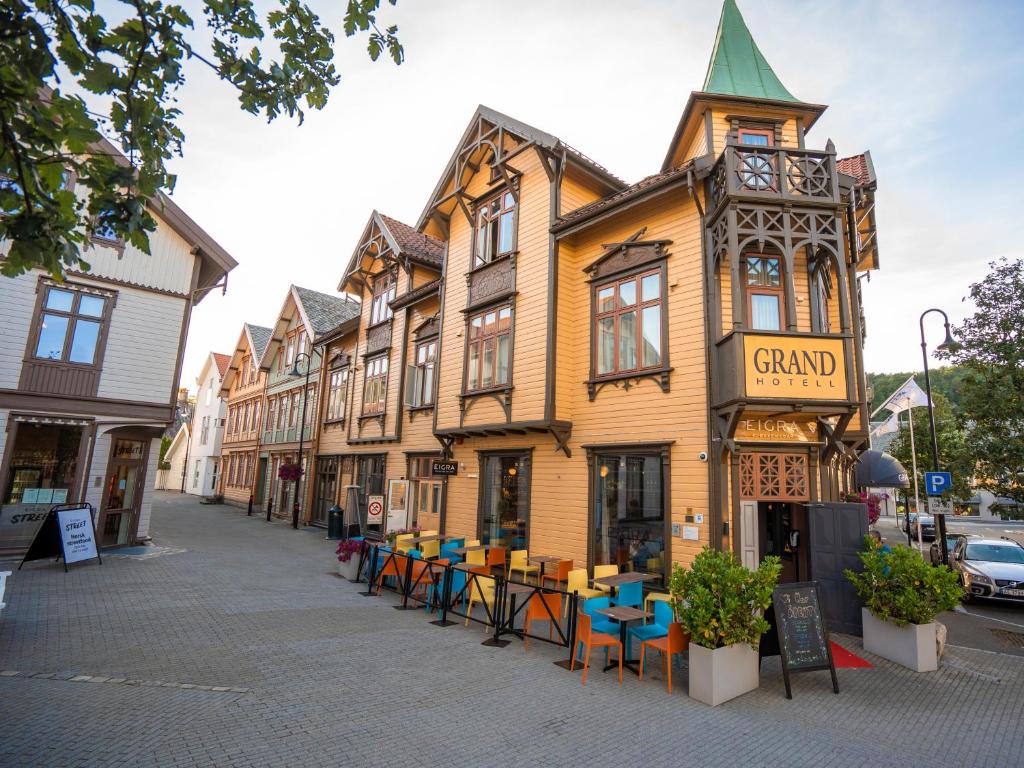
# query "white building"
(89, 372)
(207, 427)
(173, 477)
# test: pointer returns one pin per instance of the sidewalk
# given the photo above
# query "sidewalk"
(237, 644)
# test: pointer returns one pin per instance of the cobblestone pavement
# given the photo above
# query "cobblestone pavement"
(239, 646)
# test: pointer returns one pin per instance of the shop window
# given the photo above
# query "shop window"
(505, 500)
(629, 511)
(495, 228)
(71, 325)
(336, 395)
(765, 295)
(628, 324)
(383, 295)
(420, 376)
(375, 388)
(43, 464)
(488, 349)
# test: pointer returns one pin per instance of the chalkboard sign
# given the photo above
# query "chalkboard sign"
(803, 638)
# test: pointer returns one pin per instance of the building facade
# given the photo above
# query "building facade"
(621, 374)
(243, 473)
(89, 371)
(207, 431)
(291, 365)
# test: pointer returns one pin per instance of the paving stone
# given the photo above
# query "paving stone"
(237, 647)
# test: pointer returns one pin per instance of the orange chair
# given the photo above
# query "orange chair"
(590, 640)
(559, 577)
(394, 566)
(543, 606)
(496, 558)
(676, 641)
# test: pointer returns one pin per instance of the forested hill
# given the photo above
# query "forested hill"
(945, 381)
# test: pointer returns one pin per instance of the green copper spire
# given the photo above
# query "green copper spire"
(737, 67)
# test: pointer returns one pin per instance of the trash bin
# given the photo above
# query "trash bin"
(335, 522)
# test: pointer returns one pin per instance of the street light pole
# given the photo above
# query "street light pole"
(940, 518)
(302, 430)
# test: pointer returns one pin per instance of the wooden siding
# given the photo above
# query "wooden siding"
(577, 190)
(17, 307)
(720, 125)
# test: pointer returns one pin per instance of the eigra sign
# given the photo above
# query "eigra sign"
(444, 468)
(794, 367)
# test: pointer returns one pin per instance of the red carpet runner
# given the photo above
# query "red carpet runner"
(845, 660)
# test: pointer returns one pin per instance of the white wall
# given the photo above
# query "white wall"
(17, 302)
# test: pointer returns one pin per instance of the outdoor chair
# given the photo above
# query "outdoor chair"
(543, 606)
(652, 597)
(430, 549)
(676, 641)
(576, 581)
(476, 557)
(519, 562)
(604, 570)
(560, 577)
(400, 542)
(631, 594)
(663, 616)
(496, 558)
(446, 552)
(481, 590)
(589, 639)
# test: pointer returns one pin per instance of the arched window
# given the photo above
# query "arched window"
(765, 295)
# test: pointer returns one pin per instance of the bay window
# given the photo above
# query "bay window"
(336, 395)
(495, 228)
(383, 295)
(627, 334)
(765, 298)
(375, 388)
(489, 349)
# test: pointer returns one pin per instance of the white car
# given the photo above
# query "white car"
(990, 568)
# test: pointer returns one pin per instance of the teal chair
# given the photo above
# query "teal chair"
(599, 622)
(659, 628)
(446, 552)
(631, 594)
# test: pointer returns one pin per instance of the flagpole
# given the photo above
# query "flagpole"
(913, 460)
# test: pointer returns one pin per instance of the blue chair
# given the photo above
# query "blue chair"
(415, 554)
(631, 594)
(458, 584)
(457, 542)
(663, 616)
(599, 622)
(446, 553)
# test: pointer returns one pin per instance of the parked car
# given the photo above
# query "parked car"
(907, 520)
(935, 551)
(990, 568)
(927, 523)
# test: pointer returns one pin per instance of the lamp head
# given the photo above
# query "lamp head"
(949, 344)
(295, 369)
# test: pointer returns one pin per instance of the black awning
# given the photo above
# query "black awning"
(880, 470)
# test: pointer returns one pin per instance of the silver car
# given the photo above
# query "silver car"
(990, 568)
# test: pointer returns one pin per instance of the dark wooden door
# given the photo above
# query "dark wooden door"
(837, 531)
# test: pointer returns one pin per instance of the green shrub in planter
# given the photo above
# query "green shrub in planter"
(899, 586)
(719, 602)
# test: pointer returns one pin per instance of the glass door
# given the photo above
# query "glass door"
(123, 494)
(505, 502)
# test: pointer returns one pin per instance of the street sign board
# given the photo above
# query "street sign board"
(444, 468)
(374, 510)
(937, 483)
(938, 506)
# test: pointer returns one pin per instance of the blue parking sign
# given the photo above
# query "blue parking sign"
(936, 483)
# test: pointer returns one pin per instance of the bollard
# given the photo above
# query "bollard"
(270, 506)
(248, 512)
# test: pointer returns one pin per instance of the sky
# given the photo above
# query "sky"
(932, 89)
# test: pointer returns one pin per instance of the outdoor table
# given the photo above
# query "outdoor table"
(418, 539)
(624, 578)
(474, 548)
(624, 614)
(541, 560)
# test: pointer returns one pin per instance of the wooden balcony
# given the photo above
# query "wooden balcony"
(774, 174)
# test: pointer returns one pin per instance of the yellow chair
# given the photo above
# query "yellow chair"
(519, 562)
(430, 549)
(473, 543)
(651, 597)
(476, 557)
(401, 542)
(481, 591)
(604, 570)
(577, 582)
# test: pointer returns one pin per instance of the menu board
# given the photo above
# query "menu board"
(68, 532)
(803, 639)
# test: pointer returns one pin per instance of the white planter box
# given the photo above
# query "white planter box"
(349, 569)
(912, 646)
(723, 673)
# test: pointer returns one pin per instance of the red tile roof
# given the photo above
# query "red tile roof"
(223, 361)
(858, 166)
(415, 243)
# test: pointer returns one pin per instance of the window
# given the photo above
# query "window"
(764, 292)
(255, 414)
(420, 379)
(204, 432)
(249, 463)
(302, 344)
(271, 413)
(289, 358)
(282, 412)
(376, 387)
(628, 324)
(310, 404)
(629, 511)
(756, 137)
(293, 417)
(490, 340)
(70, 325)
(495, 228)
(337, 394)
(383, 295)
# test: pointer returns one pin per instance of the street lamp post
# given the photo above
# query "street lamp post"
(302, 429)
(940, 518)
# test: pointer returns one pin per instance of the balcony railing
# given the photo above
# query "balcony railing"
(775, 173)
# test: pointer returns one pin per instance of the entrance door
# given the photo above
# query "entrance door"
(261, 478)
(214, 467)
(505, 500)
(123, 494)
(837, 532)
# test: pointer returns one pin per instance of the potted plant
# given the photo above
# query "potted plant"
(390, 536)
(348, 558)
(721, 606)
(902, 595)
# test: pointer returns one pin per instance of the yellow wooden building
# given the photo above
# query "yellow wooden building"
(623, 373)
